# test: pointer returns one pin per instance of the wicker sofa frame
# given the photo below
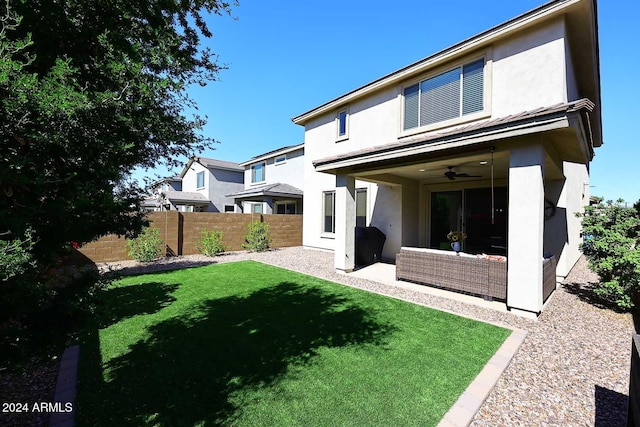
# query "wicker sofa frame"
(473, 275)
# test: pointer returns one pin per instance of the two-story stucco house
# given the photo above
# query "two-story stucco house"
(492, 136)
(273, 182)
(205, 184)
(155, 201)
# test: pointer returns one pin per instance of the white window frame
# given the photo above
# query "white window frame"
(345, 136)
(487, 96)
(253, 207)
(198, 179)
(323, 232)
(253, 172)
(278, 160)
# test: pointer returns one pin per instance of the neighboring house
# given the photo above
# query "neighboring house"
(205, 183)
(492, 136)
(273, 182)
(155, 201)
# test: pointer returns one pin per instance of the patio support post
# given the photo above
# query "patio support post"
(526, 229)
(268, 206)
(345, 223)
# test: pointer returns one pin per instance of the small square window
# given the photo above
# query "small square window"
(229, 208)
(256, 208)
(280, 159)
(200, 179)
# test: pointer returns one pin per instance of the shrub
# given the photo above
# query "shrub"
(147, 247)
(16, 257)
(257, 238)
(612, 246)
(210, 243)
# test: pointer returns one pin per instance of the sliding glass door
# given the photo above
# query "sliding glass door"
(481, 214)
(446, 216)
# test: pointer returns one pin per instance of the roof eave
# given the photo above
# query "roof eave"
(489, 36)
(261, 157)
(557, 121)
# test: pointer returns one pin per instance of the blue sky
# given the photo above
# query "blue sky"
(287, 57)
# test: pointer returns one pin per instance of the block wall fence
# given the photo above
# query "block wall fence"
(180, 230)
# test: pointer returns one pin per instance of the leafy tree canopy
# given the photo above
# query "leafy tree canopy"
(89, 90)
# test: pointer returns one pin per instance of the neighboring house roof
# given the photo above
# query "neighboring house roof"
(272, 153)
(583, 35)
(185, 197)
(150, 202)
(168, 179)
(218, 164)
(212, 164)
(537, 120)
(275, 190)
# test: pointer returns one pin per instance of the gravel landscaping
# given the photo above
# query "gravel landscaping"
(573, 368)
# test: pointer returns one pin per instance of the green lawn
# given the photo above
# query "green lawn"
(249, 344)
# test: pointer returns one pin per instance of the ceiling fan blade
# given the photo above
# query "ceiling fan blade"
(466, 175)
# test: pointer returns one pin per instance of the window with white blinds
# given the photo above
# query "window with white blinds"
(446, 96)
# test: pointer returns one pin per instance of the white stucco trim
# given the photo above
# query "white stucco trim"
(455, 142)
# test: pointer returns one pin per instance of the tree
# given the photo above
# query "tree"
(612, 246)
(89, 90)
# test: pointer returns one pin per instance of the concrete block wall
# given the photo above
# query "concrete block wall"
(233, 227)
(181, 230)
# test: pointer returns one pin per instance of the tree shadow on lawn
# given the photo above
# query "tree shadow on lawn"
(119, 303)
(189, 367)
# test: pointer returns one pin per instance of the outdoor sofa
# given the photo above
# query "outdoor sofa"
(485, 276)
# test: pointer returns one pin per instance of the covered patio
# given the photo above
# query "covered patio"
(277, 198)
(513, 185)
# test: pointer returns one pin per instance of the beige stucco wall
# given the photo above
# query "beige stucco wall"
(562, 232)
(530, 70)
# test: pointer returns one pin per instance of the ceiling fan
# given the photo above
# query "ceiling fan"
(451, 175)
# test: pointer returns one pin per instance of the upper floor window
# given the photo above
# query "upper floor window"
(257, 172)
(342, 121)
(280, 159)
(449, 95)
(200, 179)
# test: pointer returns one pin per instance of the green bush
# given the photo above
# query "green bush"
(16, 257)
(612, 246)
(210, 243)
(147, 247)
(257, 238)
(33, 293)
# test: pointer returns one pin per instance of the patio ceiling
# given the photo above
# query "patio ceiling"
(431, 171)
